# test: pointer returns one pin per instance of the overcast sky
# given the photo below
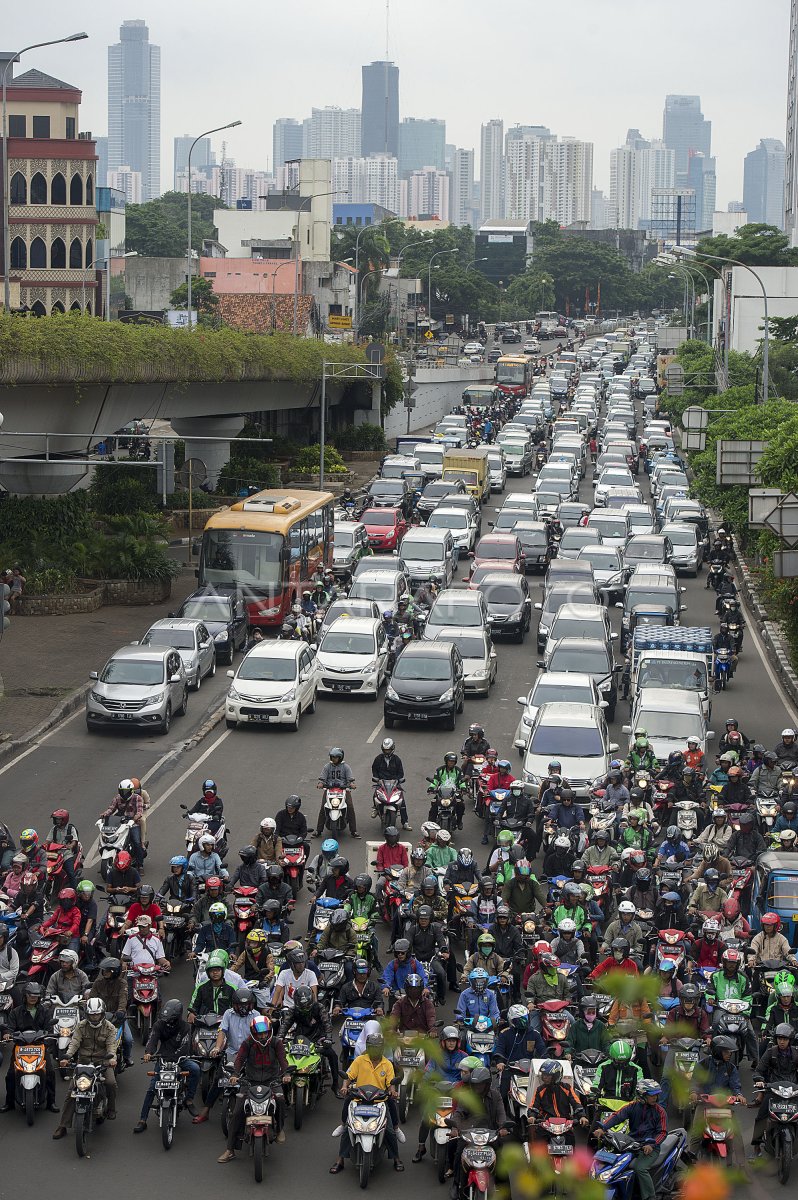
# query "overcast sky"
(586, 68)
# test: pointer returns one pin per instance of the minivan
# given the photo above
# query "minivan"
(427, 684)
(139, 687)
(429, 554)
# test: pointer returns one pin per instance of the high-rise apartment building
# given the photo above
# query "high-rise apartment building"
(791, 140)
(763, 183)
(428, 194)
(331, 133)
(636, 169)
(202, 155)
(461, 193)
(124, 179)
(624, 186)
(491, 170)
(524, 172)
(101, 145)
(286, 142)
(702, 179)
(422, 143)
(685, 131)
(134, 106)
(568, 180)
(656, 172)
(379, 128)
(367, 180)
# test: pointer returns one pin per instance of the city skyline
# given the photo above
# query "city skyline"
(429, 87)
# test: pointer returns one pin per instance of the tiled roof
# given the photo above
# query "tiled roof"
(252, 312)
(38, 79)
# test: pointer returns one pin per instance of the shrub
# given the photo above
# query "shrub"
(123, 491)
(307, 461)
(241, 473)
(360, 437)
(29, 525)
(51, 581)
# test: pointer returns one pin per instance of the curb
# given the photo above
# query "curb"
(215, 718)
(768, 630)
(64, 708)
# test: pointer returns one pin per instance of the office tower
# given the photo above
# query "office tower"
(656, 172)
(422, 143)
(701, 178)
(101, 146)
(134, 106)
(491, 170)
(461, 192)
(763, 183)
(286, 142)
(331, 133)
(428, 194)
(379, 125)
(367, 180)
(202, 155)
(685, 131)
(791, 154)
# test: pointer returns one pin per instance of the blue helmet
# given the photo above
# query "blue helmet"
(179, 860)
(329, 847)
(648, 1087)
(478, 978)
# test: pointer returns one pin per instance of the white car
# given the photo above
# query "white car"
(480, 662)
(574, 734)
(551, 687)
(353, 657)
(670, 716)
(193, 643)
(274, 684)
(497, 469)
(460, 524)
(473, 348)
(611, 477)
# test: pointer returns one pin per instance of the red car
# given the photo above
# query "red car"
(502, 550)
(385, 527)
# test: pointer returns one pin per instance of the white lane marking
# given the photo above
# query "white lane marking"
(56, 729)
(375, 732)
(93, 858)
(774, 679)
(164, 757)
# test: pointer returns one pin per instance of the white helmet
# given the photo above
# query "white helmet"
(388, 745)
(268, 825)
(206, 842)
(69, 956)
(626, 906)
(788, 733)
(566, 926)
(443, 836)
(429, 830)
(95, 1009)
(563, 842)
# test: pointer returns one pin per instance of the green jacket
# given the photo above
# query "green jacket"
(588, 1037)
(577, 914)
(640, 838)
(538, 988)
(522, 894)
(723, 988)
(647, 761)
(617, 1081)
(443, 777)
(440, 856)
(362, 906)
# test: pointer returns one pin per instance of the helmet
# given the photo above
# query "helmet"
(478, 979)
(33, 989)
(248, 854)
(209, 785)
(387, 614)
(572, 889)
(449, 1033)
(268, 825)
(68, 956)
(28, 839)
(293, 801)
(784, 1031)
(303, 999)
(626, 906)
(60, 816)
(711, 927)
(339, 918)
(414, 985)
(172, 1011)
(477, 731)
(178, 860)
(429, 884)
(790, 808)
(429, 829)
(667, 965)
(244, 999)
(562, 842)
(388, 745)
(95, 1010)
(85, 888)
(787, 837)
(720, 1043)
(465, 856)
(689, 993)
(621, 1051)
(419, 854)
(505, 837)
(771, 921)
(518, 1016)
(339, 863)
(675, 758)
(620, 946)
(272, 910)
(555, 767)
(711, 876)
(567, 793)
(298, 957)
(375, 1040)
(257, 938)
(67, 897)
(693, 740)
(329, 846)
(504, 764)
(146, 892)
(361, 966)
(274, 875)
(425, 913)
(363, 881)
(566, 926)
(260, 1029)
(491, 753)
(213, 883)
(710, 853)
(552, 1068)
(648, 1087)
(126, 789)
(206, 842)
(450, 756)
(218, 911)
(735, 772)
(672, 833)
(216, 960)
(787, 733)
(782, 978)
(671, 897)
(443, 837)
(502, 912)
(338, 753)
(731, 957)
(391, 835)
(643, 879)
(486, 943)
(113, 965)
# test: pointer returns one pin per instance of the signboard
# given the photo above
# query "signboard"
(450, 318)
(695, 417)
(761, 502)
(736, 462)
(500, 237)
(336, 321)
(785, 564)
(694, 439)
(428, 335)
(783, 520)
(674, 378)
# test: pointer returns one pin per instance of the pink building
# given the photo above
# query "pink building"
(250, 275)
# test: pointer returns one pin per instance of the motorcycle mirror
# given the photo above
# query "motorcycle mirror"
(184, 807)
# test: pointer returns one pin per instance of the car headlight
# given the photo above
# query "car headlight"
(157, 699)
(98, 697)
(391, 694)
(289, 696)
(369, 670)
(447, 696)
(270, 612)
(543, 630)
(534, 779)
(480, 675)
(222, 636)
(233, 694)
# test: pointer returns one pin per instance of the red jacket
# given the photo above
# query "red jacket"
(391, 856)
(707, 954)
(137, 910)
(63, 921)
(698, 1018)
(628, 966)
(499, 779)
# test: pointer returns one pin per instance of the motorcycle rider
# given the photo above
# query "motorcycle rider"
(360, 991)
(251, 872)
(475, 744)
(617, 960)
(290, 820)
(735, 790)
(517, 1041)
(518, 806)
(648, 1125)
(375, 1070)
(12, 882)
(274, 887)
(477, 1106)
(205, 862)
(178, 885)
(449, 775)
(687, 1013)
(295, 974)
(729, 740)
(708, 895)
(477, 1000)
(600, 853)
(268, 846)
(170, 1040)
(770, 944)
(145, 905)
(778, 1064)
(319, 865)
(390, 854)
(428, 943)
(311, 1020)
(337, 883)
(509, 943)
(731, 983)
(337, 773)
(260, 1059)
(213, 894)
(144, 947)
(624, 926)
(387, 766)
(68, 981)
(442, 853)
(618, 1075)
(338, 935)
(711, 858)
(361, 903)
(588, 1031)
(500, 780)
(35, 853)
(129, 805)
(694, 756)
(64, 921)
(484, 956)
(255, 962)
(554, 1098)
(64, 834)
(669, 912)
(673, 843)
(111, 987)
(786, 750)
(782, 1006)
(565, 813)
(718, 1072)
(642, 756)
(720, 832)
(93, 1041)
(403, 963)
(123, 876)
(414, 1012)
(444, 1067)
(217, 934)
(747, 842)
(32, 1015)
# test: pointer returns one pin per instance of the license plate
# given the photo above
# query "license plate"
(6, 1002)
(422, 716)
(258, 717)
(558, 1149)
(173, 921)
(259, 1120)
(59, 1014)
(123, 716)
(780, 1108)
(342, 687)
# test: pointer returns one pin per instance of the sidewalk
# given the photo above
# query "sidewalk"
(44, 661)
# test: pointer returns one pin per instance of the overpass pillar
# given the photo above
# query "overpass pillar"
(213, 454)
(373, 415)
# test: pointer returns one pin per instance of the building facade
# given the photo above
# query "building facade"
(125, 179)
(763, 183)
(524, 172)
(491, 170)
(379, 110)
(427, 194)
(685, 131)
(202, 156)
(422, 143)
(287, 135)
(331, 133)
(134, 106)
(701, 178)
(461, 196)
(52, 213)
(791, 140)
(367, 180)
(624, 186)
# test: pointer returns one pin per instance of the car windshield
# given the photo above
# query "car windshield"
(576, 627)
(495, 549)
(690, 676)
(343, 539)
(502, 593)
(783, 894)
(545, 693)
(267, 670)
(506, 520)
(591, 660)
(567, 595)
(611, 529)
(337, 641)
(387, 487)
(209, 608)
(469, 647)
(372, 589)
(181, 639)
(455, 614)
(423, 551)
(649, 597)
(555, 741)
(533, 539)
(132, 671)
(448, 520)
(379, 516)
(579, 537)
(235, 557)
(417, 667)
(682, 537)
(602, 558)
(668, 725)
(645, 551)
(433, 491)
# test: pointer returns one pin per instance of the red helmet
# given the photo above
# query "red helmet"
(123, 860)
(731, 957)
(772, 921)
(734, 738)
(30, 879)
(67, 897)
(213, 881)
(60, 814)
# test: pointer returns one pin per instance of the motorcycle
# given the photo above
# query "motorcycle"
(293, 862)
(112, 937)
(612, 1165)
(672, 945)
(685, 1061)
(331, 976)
(441, 1134)
(335, 811)
(475, 784)
(363, 929)
(145, 995)
(586, 1065)
(600, 879)
(687, 818)
(204, 1033)
(779, 1140)
(477, 1163)
(723, 669)
(170, 1095)
(560, 1139)
(717, 1125)
(322, 911)
(736, 631)
(260, 1124)
(245, 911)
(65, 1019)
(444, 810)
(767, 811)
(409, 1062)
(30, 1049)
(733, 1022)
(366, 1123)
(716, 575)
(555, 1025)
(494, 803)
(393, 898)
(176, 916)
(91, 1103)
(44, 957)
(199, 825)
(459, 924)
(56, 875)
(387, 801)
(479, 1038)
(307, 1076)
(115, 835)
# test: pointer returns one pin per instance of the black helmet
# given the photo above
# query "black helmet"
(113, 965)
(244, 998)
(424, 913)
(643, 879)
(293, 802)
(620, 946)
(675, 758)
(689, 993)
(172, 1011)
(720, 1043)
(391, 835)
(248, 854)
(363, 881)
(339, 918)
(303, 999)
(32, 988)
(567, 793)
(274, 875)
(272, 909)
(340, 863)
(146, 892)
(672, 834)
(429, 883)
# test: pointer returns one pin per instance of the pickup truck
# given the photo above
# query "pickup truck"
(670, 656)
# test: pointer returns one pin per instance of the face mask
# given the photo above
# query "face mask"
(217, 926)
(550, 974)
(590, 1016)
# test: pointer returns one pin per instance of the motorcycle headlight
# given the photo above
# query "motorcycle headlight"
(447, 696)
(391, 694)
(233, 694)
(365, 1124)
(605, 1175)
(258, 1109)
(83, 1084)
(222, 636)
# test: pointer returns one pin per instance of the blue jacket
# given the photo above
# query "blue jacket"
(648, 1123)
(396, 973)
(511, 1046)
(669, 849)
(201, 867)
(566, 816)
(475, 1004)
(783, 823)
(448, 1067)
(224, 939)
(723, 1075)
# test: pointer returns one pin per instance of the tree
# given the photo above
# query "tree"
(159, 228)
(203, 297)
(756, 244)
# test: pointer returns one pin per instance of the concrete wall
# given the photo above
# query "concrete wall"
(438, 393)
(747, 307)
(150, 281)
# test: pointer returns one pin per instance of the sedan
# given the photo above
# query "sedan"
(646, 548)
(193, 642)
(353, 657)
(575, 735)
(385, 527)
(575, 538)
(611, 477)
(435, 492)
(473, 348)
(508, 603)
(586, 656)
(224, 616)
(480, 662)
(686, 553)
(460, 524)
(607, 567)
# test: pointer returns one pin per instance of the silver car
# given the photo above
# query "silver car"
(139, 686)
(193, 643)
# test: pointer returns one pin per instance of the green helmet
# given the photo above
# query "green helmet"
(783, 978)
(218, 958)
(470, 1063)
(486, 943)
(621, 1051)
(784, 989)
(85, 888)
(505, 838)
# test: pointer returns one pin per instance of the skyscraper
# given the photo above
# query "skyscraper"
(763, 183)
(524, 172)
(684, 130)
(422, 143)
(702, 179)
(461, 194)
(370, 180)
(491, 170)
(101, 146)
(134, 106)
(568, 180)
(791, 157)
(624, 190)
(201, 157)
(379, 128)
(286, 142)
(331, 133)
(428, 194)
(656, 171)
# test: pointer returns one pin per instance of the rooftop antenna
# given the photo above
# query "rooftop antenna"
(387, 27)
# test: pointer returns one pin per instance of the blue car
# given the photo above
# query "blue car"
(775, 889)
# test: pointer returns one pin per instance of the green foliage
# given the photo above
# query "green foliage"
(51, 581)
(241, 472)
(159, 229)
(118, 490)
(203, 297)
(359, 437)
(307, 460)
(126, 547)
(53, 522)
(755, 244)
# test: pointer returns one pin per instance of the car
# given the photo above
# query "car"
(554, 597)
(575, 538)
(502, 550)
(518, 455)
(570, 687)
(548, 500)
(611, 477)
(532, 346)
(139, 687)
(386, 588)
(608, 569)
(774, 890)
(435, 492)
(511, 337)
(613, 525)
(459, 522)
(686, 551)
(468, 504)
(350, 545)
(224, 615)
(347, 606)
(568, 570)
(572, 513)
(385, 527)
(534, 539)
(399, 466)
(473, 348)
(576, 735)
(389, 493)
(646, 548)
(453, 606)
(429, 553)
(480, 661)
(274, 685)
(507, 518)
(353, 657)
(381, 562)
(193, 642)
(508, 603)
(641, 519)
(556, 472)
(669, 716)
(493, 355)
(586, 656)
(497, 469)
(427, 684)
(651, 597)
(581, 620)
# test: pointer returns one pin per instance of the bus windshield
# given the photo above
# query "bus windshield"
(510, 373)
(239, 557)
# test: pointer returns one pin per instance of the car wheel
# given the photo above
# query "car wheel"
(311, 708)
(231, 724)
(230, 654)
(198, 680)
(294, 726)
(387, 721)
(184, 704)
(451, 722)
(167, 719)
(212, 671)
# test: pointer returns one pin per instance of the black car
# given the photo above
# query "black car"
(534, 539)
(426, 685)
(509, 604)
(434, 492)
(225, 616)
(390, 493)
(510, 337)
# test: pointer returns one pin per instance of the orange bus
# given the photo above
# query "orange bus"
(514, 375)
(267, 547)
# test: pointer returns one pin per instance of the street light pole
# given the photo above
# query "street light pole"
(360, 299)
(73, 37)
(437, 254)
(302, 203)
(402, 252)
(207, 133)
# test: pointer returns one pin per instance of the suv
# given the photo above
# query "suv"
(193, 643)
(350, 544)
(139, 686)
(427, 685)
(224, 615)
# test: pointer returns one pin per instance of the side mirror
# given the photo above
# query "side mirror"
(619, 604)
(682, 608)
(521, 700)
(613, 636)
(171, 614)
(626, 729)
(603, 704)
(231, 674)
(710, 735)
(93, 675)
(613, 747)
(541, 663)
(175, 678)
(538, 605)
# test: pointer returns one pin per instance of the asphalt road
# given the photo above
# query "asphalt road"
(255, 770)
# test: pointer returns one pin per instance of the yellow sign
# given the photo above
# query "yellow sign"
(339, 322)
(428, 335)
